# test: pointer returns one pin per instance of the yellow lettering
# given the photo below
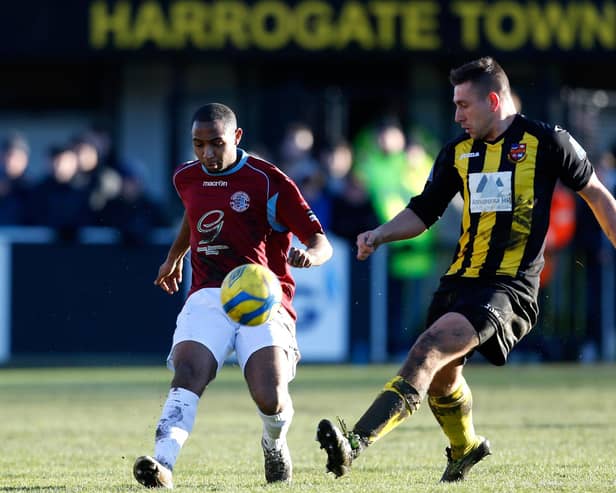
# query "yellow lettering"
(354, 26)
(552, 23)
(512, 38)
(228, 21)
(150, 26)
(114, 24)
(420, 26)
(272, 24)
(386, 14)
(188, 21)
(506, 25)
(313, 26)
(598, 27)
(470, 14)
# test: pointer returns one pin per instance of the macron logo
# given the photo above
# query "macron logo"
(217, 183)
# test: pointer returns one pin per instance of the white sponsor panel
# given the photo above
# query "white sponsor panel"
(490, 192)
(322, 304)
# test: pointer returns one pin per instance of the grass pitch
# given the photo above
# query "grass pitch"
(552, 428)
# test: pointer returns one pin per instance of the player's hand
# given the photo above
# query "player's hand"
(299, 258)
(366, 244)
(170, 276)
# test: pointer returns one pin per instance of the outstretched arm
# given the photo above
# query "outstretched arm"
(406, 224)
(318, 251)
(170, 272)
(603, 206)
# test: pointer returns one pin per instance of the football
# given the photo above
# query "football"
(250, 294)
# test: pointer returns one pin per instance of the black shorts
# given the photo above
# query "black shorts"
(500, 311)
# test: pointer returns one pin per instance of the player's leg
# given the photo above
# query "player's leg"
(195, 357)
(448, 339)
(500, 321)
(195, 367)
(451, 402)
(267, 379)
(268, 355)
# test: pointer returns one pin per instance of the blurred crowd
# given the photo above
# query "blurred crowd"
(83, 184)
(354, 186)
(351, 186)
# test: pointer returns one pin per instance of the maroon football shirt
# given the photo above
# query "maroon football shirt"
(245, 214)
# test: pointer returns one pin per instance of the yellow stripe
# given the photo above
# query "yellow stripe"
(523, 200)
(481, 243)
(462, 167)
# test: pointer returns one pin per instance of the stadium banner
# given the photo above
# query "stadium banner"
(303, 27)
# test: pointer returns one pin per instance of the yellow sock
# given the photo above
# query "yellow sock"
(455, 415)
(396, 402)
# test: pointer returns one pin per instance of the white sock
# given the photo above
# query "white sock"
(175, 424)
(275, 427)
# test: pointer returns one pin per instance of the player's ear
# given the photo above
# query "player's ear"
(494, 100)
(238, 135)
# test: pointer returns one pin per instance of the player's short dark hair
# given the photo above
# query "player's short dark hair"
(212, 112)
(484, 72)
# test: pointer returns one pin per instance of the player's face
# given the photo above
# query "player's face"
(474, 112)
(214, 145)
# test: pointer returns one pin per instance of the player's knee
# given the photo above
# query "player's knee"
(269, 407)
(270, 401)
(448, 338)
(191, 376)
(428, 347)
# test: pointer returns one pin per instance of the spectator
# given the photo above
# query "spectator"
(561, 230)
(14, 187)
(298, 163)
(296, 158)
(57, 201)
(100, 181)
(393, 170)
(351, 208)
(133, 211)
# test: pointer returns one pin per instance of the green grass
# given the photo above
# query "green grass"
(552, 428)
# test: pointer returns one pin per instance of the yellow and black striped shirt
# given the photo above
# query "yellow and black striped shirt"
(507, 188)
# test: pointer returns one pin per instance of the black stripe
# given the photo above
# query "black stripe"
(475, 165)
(544, 183)
(501, 231)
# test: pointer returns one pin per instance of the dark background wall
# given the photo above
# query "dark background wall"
(69, 299)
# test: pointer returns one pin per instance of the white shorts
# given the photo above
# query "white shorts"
(203, 320)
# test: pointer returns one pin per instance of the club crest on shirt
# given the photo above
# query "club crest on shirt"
(240, 201)
(517, 152)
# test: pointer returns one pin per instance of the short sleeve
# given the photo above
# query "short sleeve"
(442, 185)
(292, 211)
(575, 168)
